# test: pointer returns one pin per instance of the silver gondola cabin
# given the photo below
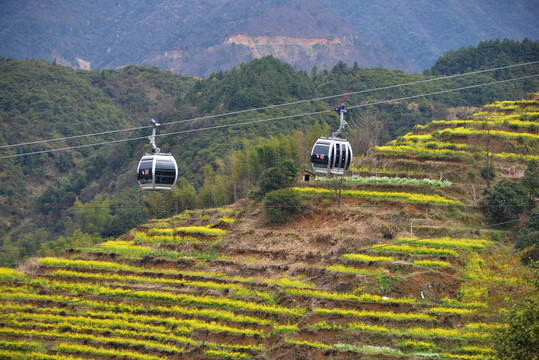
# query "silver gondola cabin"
(332, 155)
(157, 171)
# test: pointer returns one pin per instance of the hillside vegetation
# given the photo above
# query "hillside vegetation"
(48, 206)
(202, 37)
(398, 268)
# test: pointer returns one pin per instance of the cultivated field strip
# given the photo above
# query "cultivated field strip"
(514, 124)
(121, 308)
(166, 289)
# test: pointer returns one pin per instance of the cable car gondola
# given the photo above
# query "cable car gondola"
(157, 171)
(332, 155)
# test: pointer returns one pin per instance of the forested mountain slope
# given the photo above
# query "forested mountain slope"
(43, 101)
(202, 37)
(406, 264)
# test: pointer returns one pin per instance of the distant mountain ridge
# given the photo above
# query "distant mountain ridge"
(194, 37)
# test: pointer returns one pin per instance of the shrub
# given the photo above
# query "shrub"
(282, 204)
(505, 201)
(531, 178)
(529, 236)
(518, 340)
(276, 178)
(488, 173)
(272, 179)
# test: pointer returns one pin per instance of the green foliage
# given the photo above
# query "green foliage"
(127, 217)
(475, 58)
(40, 100)
(355, 179)
(261, 82)
(531, 178)
(276, 178)
(488, 173)
(93, 217)
(59, 246)
(272, 179)
(23, 247)
(282, 205)
(7, 274)
(505, 201)
(529, 235)
(185, 198)
(520, 338)
(214, 190)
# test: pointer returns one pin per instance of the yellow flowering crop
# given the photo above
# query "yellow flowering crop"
(226, 354)
(421, 345)
(364, 257)
(450, 333)
(417, 250)
(369, 328)
(8, 274)
(92, 350)
(412, 197)
(315, 344)
(346, 296)
(447, 242)
(432, 263)
(227, 220)
(353, 270)
(446, 310)
(206, 230)
(378, 314)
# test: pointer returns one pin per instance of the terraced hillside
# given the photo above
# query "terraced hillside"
(506, 132)
(388, 271)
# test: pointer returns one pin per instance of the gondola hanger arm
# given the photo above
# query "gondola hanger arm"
(154, 124)
(341, 110)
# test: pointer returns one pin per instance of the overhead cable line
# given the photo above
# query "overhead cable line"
(268, 119)
(271, 106)
(263, 268)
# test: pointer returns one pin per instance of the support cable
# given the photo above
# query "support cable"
(272, 106)
(268, 119)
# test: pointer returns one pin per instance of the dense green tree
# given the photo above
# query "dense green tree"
(505, 201)
(528, 236)
(289, 170)
(156, 206)
(93, 217)
(275, 178)
(272, 179)
(531, 178)
(261, 82)
(519, 338)
(129, 214)
(488, 173)
(282, 204)
(184, 196)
